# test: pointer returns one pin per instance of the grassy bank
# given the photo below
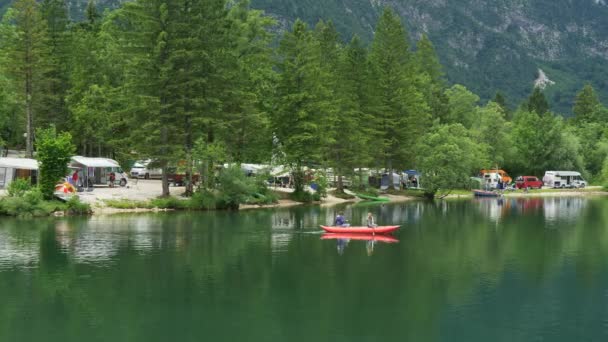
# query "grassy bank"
(30, 206)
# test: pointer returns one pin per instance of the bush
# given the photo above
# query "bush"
(169, 203)
(54, 154)
(76, 207)
(322, 184)
(31, 204)
(203, 200)
(235, 188)
(19, 187)
(305, 196)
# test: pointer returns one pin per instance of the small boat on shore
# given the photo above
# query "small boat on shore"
(363, 237)
(373, 198)
(361, 230)
(484, 193)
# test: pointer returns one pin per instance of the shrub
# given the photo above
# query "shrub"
(235, 188)
(54, 153)
(75, 207)
(31, 204)
(18, 187)
(304, 196)
(322, 184)
(169, 203)
(202, 200)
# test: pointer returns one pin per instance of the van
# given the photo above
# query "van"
(490, 180)
(564, 179)
(528, 182)
(503, 174)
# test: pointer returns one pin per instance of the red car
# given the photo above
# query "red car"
(531, 182)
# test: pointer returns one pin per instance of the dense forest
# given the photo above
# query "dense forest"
(204, 81)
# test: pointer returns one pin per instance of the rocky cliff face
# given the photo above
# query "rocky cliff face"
(487, 45)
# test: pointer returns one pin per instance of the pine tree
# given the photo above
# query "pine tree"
(25, 46)
(401, 114)
(432, 81)
(500, 100)
(250, 77)
(144, 34)
(537, 102)
(585, 105)
(54, 111)
(351, 148)
(301, 101)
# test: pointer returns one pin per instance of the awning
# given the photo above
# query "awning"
(19, 163)
(94, 162)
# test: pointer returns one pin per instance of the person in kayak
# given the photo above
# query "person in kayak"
(341, 221)
(370, 221)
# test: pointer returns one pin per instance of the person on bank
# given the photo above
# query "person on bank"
(341, 221)
(370, 221)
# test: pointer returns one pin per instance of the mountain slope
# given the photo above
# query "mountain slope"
(487, 45)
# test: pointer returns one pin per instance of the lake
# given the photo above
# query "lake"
(471, 270)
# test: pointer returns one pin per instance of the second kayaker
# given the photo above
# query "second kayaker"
(370, 221)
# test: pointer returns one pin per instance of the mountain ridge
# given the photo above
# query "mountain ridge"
(486, 45)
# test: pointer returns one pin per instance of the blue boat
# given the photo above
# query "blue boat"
(484, 193)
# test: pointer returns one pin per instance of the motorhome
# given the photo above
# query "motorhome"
(503, 174)
(490, 180)
(564, 179)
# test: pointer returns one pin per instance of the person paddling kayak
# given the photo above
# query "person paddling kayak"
(370, 221)
(341, 221)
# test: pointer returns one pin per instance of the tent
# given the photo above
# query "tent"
(13, 168)
(96, 171)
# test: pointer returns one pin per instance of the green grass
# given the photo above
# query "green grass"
(341, 195)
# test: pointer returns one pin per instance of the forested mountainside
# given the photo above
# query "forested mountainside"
(487, 45)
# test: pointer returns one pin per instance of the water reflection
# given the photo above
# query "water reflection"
(553, 208)
(529, 269)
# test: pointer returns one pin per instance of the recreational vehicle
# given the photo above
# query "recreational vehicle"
(564, 179)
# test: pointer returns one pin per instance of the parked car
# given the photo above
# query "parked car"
(143, 170)
(528, 182)
(564, 179)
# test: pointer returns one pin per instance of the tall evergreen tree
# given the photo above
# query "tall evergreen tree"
(537, 102)
(301, 101)
(432, 80)
(54, 111)
(251, 77)
(585, 105)
(351, 147)
(401, 114)
(143, 30)
(25, 45)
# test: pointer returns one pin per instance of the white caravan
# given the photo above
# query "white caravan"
(564, 179)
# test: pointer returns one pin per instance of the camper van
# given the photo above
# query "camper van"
(564, 179)
(490, 180)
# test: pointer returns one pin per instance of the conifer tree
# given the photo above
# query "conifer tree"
(54, 111)
(585, 105)
(353, 132)
(26, 53)
(537, 102)
(301, 101)
(432, 80)
(401, 114)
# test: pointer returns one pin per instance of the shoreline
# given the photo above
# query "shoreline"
(100, 209)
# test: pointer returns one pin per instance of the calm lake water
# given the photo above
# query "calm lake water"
(487, 270)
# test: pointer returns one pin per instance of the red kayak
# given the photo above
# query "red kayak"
(361, 230)
(366, 237)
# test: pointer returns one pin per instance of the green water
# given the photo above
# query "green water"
(517, 270)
